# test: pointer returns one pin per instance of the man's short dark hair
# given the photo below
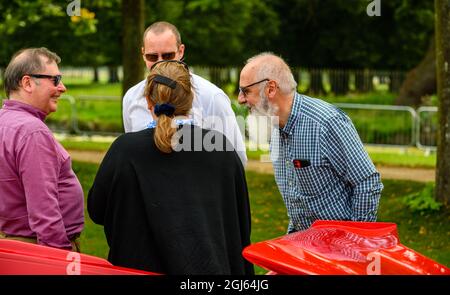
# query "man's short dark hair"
(27, 61)
(161, 27)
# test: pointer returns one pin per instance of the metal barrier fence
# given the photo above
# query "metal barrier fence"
(384, 125)
(427, 126)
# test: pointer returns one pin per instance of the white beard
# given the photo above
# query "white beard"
(265, 108)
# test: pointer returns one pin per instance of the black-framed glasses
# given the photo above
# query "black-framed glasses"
(152, 57)
(172, 60)
(56, 79)
(244, 89)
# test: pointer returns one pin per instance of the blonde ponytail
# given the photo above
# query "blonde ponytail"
(168, 87)
(163, 134)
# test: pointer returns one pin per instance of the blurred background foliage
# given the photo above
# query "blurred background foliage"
(308, 33)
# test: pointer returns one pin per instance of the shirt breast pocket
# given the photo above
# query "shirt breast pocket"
(314, 180)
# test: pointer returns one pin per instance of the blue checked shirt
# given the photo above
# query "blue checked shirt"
(321, 167)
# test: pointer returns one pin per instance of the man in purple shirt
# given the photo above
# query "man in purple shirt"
(41, 199)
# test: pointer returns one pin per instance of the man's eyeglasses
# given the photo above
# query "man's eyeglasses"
(172, 60)
(244, 89)
(56, 79)
(152, 57)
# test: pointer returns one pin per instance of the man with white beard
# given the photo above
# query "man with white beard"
(321, 167)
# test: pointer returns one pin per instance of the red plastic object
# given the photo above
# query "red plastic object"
(342, 247)
(20, 258)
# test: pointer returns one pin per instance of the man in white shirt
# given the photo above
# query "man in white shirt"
(211, 108)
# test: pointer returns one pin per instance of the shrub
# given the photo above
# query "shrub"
(423, 200)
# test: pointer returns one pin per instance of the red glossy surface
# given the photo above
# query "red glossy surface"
(19, 258)
(341, 247)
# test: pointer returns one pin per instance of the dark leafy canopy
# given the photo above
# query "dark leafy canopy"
(218, 32)
(332, 33)
(313, 33)
(89, 39)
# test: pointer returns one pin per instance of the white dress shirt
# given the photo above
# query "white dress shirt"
(211, 109)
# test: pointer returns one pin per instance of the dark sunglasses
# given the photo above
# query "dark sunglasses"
(152, 57)
(173, 60)
(56, 79)
(244, 89)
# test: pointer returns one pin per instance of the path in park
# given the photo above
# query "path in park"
(387, 172)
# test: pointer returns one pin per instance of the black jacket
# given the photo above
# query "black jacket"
(186, 212)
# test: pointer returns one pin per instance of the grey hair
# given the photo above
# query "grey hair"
(27, 61)
(278, 71)
(161, 27)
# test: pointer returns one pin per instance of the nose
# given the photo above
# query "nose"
(241, 98)
(61, 87)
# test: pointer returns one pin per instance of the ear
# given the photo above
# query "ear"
(26, 83)
(143, 52)
(272, 89)
(181, 52)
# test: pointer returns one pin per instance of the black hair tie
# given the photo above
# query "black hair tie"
(165, 108)
(165, 81)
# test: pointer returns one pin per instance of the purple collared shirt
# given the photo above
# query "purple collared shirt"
(40, 195)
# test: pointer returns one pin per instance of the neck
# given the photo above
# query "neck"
(285, 108)
(19, 97)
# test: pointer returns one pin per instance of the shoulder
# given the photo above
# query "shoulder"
(130, 140)
(203, 87)
(135, 92)
(320, 111)
(30, 125)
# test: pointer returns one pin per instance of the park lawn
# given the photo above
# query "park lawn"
(426, 233)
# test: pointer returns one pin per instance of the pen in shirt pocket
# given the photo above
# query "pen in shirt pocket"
(301, 163)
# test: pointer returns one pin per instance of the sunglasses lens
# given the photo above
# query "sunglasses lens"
(57, 80)
(168, 56)
(151, 57)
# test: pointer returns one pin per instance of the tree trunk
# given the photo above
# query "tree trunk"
(363, 81)
(442, 11)
(420, 81)
(316, 85)
(96, 79)
(113, 76)
(132, 30)
(396, 79)
(339, 82)
(214, 76)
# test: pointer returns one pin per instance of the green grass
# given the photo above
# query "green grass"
(85, 145)
(410, 157)
(92, 240)
(427, 233)
(104, 89)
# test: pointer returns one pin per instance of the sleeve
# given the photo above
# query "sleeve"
(125, 112)
(39, 167)
(345, 151)
(244, 210)
(230, 127)
(97, 200)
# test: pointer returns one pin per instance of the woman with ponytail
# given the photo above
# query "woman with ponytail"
(173, 198)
